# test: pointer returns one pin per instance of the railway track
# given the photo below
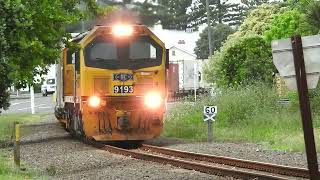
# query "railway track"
(215, 165)
(240, 163)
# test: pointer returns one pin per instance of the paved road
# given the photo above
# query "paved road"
(22, 104)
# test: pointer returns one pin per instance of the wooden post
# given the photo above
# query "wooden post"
(16, 150)
(305, 107)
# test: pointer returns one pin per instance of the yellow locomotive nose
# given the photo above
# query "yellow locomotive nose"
(114, 86)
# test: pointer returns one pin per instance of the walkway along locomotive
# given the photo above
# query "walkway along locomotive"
(114, 86)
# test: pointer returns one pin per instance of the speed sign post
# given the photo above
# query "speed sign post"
(209, 114)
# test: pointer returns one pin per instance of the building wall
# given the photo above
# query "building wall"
(178, 55)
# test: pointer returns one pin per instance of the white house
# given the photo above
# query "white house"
(178, 54)
(190, 69)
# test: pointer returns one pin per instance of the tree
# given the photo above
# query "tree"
(252, 29)
(287, 24)
(243, 62)
(147, 12)
(173, 13)
(31, 33)
(5, 83)
(254, 3)
(147, 9)
(221, 12)
(312, 11)
(259, 19)
(219, 34)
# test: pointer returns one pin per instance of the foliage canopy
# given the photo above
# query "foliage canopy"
(31, 33)
(219, 34)
(287, 24)
(245, 61)
(239, 60)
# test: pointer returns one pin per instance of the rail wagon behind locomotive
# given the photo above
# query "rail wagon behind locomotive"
(114, 86)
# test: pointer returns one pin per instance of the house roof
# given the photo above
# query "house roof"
(183, 51)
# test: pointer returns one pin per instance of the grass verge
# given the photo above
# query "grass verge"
(246, 114)
(7, 168)
(9, 171)
(6, 123)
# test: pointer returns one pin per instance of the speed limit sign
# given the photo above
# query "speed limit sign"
(209, 113)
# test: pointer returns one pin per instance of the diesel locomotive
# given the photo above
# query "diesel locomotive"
(113, 86)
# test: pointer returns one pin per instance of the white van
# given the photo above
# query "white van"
(48, 87)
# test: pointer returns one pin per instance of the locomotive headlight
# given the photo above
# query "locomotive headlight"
(121, 30)
(152, 100)
(94, 101)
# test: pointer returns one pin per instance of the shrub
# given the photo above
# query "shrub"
(254, 25)
(288, 24)
(245, 60)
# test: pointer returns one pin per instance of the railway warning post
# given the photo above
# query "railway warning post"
(16, 146)
(209, 114)
(301, 72)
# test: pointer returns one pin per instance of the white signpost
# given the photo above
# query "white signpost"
(32, 99)
(209, 114)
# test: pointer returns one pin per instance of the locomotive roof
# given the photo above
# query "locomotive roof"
(77, 37)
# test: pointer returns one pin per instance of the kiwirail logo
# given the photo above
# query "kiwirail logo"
(122, 77)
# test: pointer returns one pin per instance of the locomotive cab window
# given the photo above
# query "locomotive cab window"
(142, 50)
(108, 53)
(103, 51)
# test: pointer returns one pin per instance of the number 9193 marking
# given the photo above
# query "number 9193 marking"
(123, 89)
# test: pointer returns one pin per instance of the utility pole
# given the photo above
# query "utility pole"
(209, 28)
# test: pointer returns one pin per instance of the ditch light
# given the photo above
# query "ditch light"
(153, 100)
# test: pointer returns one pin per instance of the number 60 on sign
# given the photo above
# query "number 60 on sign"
(209, 113)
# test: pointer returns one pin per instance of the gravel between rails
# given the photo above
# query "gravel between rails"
(67, 158)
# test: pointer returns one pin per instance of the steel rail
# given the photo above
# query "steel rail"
(267, 167)
(208, 169)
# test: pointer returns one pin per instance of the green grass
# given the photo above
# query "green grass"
(248, 114)
(6, 123)
(7, 168)
(9, 171)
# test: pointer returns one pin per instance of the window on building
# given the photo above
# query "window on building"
(173, 52)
